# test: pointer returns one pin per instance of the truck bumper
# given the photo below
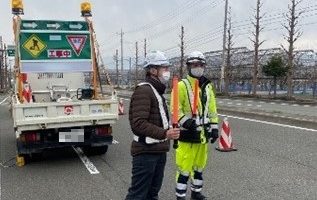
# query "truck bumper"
(50, 140)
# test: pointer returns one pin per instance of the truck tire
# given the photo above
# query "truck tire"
(96, 150)
(33, 157)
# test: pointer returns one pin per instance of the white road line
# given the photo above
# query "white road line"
(306, 106)
(249, 104)
(4, 100)
(239, 104)
(220, 101)
(272, 103)
(295, 105)
(270, 123)
(250, 101)
(284, 104)
(229, 103)
(258, 106)
(0, 184)
(89, 165)
(115, 142)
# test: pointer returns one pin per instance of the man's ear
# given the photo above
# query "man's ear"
(154, 71)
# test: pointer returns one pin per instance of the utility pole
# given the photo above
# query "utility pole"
(145, 48)
(5, 65)
(117, 68)
(130, 65)
(182, 54)
(1, 64)
(223, 66)
(121, 41)
(136, 65)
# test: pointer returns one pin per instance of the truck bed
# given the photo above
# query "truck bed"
(47, 115)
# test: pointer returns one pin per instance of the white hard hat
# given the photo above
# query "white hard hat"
(196, 56)
(156, 58)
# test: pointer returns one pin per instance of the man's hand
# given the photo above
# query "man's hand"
(173, 133)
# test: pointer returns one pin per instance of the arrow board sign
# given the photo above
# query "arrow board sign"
(76, 26)
(29, 25)
(56, 26)
(77, 42)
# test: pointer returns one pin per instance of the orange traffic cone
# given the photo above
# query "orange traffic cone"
(120, 107)
(225, 140)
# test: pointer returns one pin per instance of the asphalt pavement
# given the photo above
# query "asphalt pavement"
(273, 161)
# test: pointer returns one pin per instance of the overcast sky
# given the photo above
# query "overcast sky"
(160, 20)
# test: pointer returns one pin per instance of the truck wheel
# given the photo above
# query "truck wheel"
(96, 150)
(36, 156)
(33, 157)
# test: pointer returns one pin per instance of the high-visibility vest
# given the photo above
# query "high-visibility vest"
(205, 115)
(149, 140)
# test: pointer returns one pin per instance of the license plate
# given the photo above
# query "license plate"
(75, 135)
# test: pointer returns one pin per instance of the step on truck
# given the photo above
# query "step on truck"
(56, 102)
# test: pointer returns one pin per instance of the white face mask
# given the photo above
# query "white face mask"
(165, 77)
(197, 72)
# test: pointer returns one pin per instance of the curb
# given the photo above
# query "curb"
(271, 117)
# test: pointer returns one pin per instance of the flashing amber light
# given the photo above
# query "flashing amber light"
(17, 7)
(85, 9)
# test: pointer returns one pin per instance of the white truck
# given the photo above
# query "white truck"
(56, 101)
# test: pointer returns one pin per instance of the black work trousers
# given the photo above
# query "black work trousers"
(147, 176)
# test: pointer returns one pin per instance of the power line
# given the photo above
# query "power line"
(167, 17)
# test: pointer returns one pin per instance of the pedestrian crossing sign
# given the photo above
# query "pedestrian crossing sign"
(34, 46)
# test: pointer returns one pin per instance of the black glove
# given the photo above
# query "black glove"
(212, 133)
(190, 124)
(189, 136)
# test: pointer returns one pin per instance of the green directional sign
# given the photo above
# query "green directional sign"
(11, 52)
(54, 25)
(55, 46)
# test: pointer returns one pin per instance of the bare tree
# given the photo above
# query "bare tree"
(115, 57)
(315, 81)
(136, 65)
(182, 53)
(228, 70)
(293, 35)
(257, 44)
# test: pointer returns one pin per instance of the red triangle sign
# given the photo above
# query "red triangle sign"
(77, 42)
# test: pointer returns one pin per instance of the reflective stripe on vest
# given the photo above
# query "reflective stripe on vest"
(149, 140)
(202, 119)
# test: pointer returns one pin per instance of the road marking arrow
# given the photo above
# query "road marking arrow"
(30, 25)
(56, 25)
(76, 26)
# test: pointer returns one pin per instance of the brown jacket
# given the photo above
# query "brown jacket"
(145, 118)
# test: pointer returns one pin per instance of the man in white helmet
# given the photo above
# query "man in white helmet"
(197, 129)
(149, 121)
